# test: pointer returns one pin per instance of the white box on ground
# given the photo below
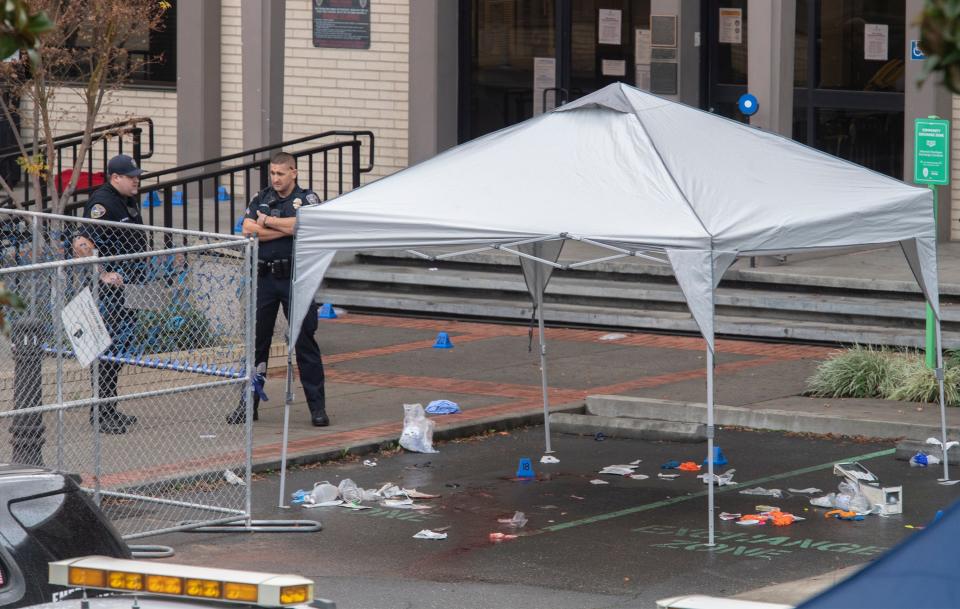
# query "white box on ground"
(888, 498)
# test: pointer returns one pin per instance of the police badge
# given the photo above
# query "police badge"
(297, 203)
(98, 211)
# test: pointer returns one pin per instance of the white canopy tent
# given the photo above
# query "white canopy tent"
(640, 176)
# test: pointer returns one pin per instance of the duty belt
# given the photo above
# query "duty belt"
(276, 268)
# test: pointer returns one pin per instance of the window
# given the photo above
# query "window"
(153, 55)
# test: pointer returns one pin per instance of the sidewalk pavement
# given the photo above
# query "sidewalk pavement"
(375, 364)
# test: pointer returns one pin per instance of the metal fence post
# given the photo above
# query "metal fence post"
(27, 430)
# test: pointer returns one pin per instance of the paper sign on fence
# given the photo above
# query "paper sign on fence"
(84, 326)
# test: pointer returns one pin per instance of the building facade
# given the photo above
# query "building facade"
(425, 75)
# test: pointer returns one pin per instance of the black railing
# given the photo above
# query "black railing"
(207, 199)
(122, 137)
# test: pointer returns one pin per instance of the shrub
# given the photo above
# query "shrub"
(919, 383)
(859, 372)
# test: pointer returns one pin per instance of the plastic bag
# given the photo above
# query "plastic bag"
(349, 491)
(417, 433)
(324, 492)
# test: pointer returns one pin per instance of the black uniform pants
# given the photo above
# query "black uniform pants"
(121, 324)
(271, 293)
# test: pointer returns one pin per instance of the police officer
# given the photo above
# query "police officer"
(116, 201)
(272, 217)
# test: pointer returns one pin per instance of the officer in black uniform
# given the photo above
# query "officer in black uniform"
(116, 201)
(272, 216)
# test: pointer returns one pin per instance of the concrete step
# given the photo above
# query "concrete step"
(633, 428)
(615, 406)
(636, 296)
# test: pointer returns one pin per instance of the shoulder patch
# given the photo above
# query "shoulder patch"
(98, 211)
(297, 203)
(313, 199)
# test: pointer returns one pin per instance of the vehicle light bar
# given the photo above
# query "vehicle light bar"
(223, 585)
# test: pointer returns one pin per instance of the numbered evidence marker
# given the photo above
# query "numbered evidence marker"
(525, 468)
(84, 326)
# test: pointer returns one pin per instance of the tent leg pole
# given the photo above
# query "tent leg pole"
(286, 429)
(710, 540)
(943, 409)
(543, 379)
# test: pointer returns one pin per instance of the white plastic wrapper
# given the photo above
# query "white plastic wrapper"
(417, 433)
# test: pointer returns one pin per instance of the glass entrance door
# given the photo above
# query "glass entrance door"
(518, 57)
(849, 80)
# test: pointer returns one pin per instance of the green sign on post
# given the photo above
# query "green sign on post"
(931, 166)
(931, 145)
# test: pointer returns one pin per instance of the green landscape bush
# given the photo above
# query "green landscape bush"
(871, 372)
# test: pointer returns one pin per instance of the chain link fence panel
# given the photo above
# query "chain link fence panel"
(126, 362)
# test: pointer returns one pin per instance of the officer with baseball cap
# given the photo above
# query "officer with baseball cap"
(115, 201)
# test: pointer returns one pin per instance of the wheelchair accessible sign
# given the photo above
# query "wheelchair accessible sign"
(931, 162)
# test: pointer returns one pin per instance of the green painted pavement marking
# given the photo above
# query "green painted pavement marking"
(722, 489)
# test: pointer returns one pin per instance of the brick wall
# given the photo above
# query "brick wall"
(231, 85)
(326, 89)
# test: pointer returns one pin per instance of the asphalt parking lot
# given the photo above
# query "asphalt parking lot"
(622, 544)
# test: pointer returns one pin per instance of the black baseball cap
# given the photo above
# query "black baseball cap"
(124, 165)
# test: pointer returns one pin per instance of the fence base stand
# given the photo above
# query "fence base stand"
(148, 551)
(265, 526)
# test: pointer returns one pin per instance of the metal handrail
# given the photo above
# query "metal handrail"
(75, 138)
(254, 151)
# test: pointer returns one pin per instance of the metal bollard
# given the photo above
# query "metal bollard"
(27, 431)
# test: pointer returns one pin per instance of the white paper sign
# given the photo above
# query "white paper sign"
(876, 42)
(642, 76)
(613, 67)
(608, 24)
(731, 26)
(642, 46)
(85, 328)
(544, 77)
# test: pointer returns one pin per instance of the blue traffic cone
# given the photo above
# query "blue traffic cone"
(152, 200)
(326, 312)
(718, 458)
(525, 468)
(443, 341)
(178, 198)
(222, 194)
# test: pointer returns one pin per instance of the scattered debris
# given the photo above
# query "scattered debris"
(232, 478)
(637, 462)
(600, 436)
(576, 497)
(613, 336)
(369, 463)
(549, 459)
(497, 537)
(598, 481)
(517, 521)
(770, 516)
(428, 534)
(442, 407)
(720, 479)
(688, 466)
(670, 465)
(618, 470)
(663, 476)
(639, 476)
(804, 491)
(417, 435)
(843, 515)
(729, 516)
(759, 490)
(922, 459)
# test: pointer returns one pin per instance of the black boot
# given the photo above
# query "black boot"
(319, 418)
(111, 422)
(239, 414)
